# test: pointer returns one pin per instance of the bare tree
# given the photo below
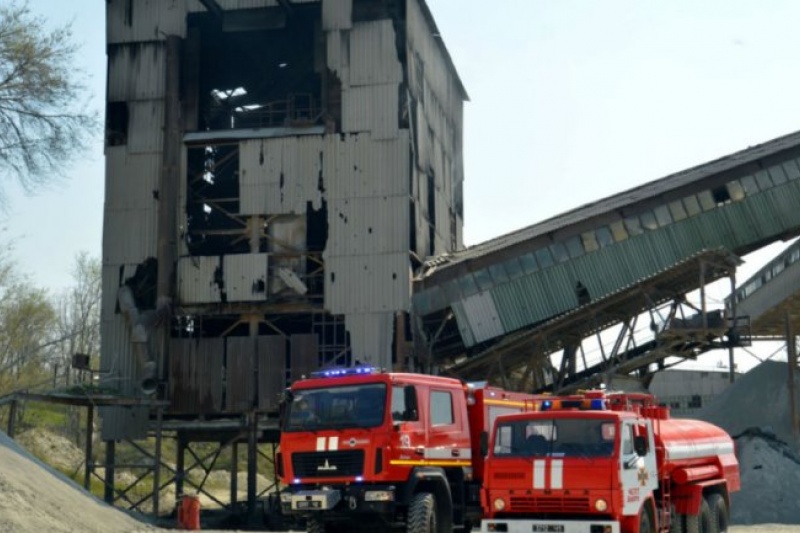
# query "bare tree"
(78, 323)
(43, 124)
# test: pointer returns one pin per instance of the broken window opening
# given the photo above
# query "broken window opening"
(117, 119)
(212, 201)
(261, 76)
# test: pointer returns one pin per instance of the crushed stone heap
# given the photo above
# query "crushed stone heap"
(755, 411)
(36, 497)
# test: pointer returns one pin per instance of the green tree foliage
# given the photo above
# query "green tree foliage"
(26, 319)
(43, 124)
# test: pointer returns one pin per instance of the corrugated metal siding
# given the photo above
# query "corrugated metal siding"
(371, 338)
(146, 126)
(271, 355)
(240, 373)
(195, 5)
(373, 54)
(338, 55)
(118, 371)
(131, 180)
(337, 15)
(367, 283)
(361, 226)
(549, 292)
(129, 235)
(423, 140)
(195, 375)
(462, 320)
(196, 280)
(245, 277)
(136, 71)
(357, 166)
(440, 90)
(280, 176)
(698, 177)
(484, 322)
(304, 355)
(372, 108)
(769, 295)
(144, 20)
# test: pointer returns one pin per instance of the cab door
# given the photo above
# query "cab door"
(447, 432)
(638, 467)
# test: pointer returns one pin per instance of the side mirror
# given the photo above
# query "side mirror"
(640, 445)
(484, 443)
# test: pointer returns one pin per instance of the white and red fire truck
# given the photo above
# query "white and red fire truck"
(363, 449)
(607, 463)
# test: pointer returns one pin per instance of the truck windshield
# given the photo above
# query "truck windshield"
(567, 437)
(336, 408)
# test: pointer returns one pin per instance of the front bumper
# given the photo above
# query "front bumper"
(548, 526)
(340, 501)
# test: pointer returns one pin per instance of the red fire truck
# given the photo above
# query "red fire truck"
(607, 463)
(363, 449)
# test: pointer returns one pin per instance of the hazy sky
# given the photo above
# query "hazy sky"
(571, 101)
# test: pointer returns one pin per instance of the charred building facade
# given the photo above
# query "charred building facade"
(275, 172)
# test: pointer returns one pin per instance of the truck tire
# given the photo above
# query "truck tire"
(699, 523)
(676, 522)
(421, 513)
(646, 520)
(719, 513)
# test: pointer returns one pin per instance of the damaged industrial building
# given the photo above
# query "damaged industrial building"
(275, 172)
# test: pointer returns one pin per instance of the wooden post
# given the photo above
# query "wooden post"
(12, 417)
(108, 492)
(89, 461)
(234, 473)
(180, 467)
(252, 470)
(157, 461)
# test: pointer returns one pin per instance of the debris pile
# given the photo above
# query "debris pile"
(755, 411)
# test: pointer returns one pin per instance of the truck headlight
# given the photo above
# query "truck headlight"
(600, 505)
(379, 496)
(499, 504)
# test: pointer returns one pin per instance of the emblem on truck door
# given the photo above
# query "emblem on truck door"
(327, 467)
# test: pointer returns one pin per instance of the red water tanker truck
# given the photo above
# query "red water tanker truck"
(607, 463)
(365, 450)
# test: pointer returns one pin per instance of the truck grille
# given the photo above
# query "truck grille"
(549, 505)
(328, 464)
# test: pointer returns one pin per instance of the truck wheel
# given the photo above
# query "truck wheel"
(699, 523)
(719, 513)
(645, 520)
(421, 514)
(676, 522)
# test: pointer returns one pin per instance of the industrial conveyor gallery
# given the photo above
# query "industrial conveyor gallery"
(503, 309)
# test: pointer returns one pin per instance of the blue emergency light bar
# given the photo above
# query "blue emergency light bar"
(339, 372)
(596, 404)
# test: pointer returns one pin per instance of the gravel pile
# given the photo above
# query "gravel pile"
(755, 411)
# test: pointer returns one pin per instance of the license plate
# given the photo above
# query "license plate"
(305, 504)
(548, 528)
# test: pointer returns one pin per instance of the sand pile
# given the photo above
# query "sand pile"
(36, 498)
(755, 411)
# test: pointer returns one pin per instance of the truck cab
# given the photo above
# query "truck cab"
(366, 449)
(601, 463)
(358, 446)
(568, 471)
